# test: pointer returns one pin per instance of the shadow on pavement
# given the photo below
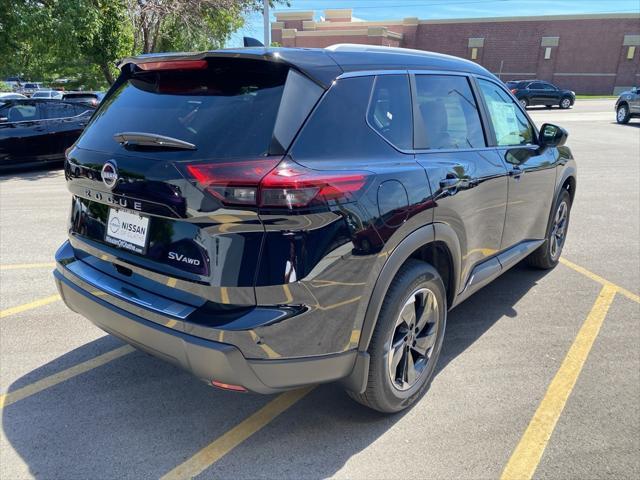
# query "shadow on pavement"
(631, 123)
(138, 417)
(48, 170)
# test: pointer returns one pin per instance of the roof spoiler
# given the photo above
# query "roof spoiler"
(315, 64)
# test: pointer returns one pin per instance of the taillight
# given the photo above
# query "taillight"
(514, 90)
(270, 183)
(233, 183)
(174, 65)
(290, 185)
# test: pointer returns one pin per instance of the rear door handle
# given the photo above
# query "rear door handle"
(449, 183)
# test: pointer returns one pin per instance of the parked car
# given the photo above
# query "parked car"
(88, 98)
(272, 219)
(538, 92)
(628, 105)
(45, 93)
(36, 131)
(10, 96)
(13, 82)
(30, 88)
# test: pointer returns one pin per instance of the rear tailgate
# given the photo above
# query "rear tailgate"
(137, 209)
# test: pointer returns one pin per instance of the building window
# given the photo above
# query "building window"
(631, 51)
(547, 53)
(474, 53)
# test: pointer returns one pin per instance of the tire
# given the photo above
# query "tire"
(622, 114)
(416, 286)
(565, 103)
(524, 102)
(548, 254)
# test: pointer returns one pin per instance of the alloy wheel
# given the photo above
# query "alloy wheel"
(559, 230)
(566, 103)
(622, 113)
(414, 338)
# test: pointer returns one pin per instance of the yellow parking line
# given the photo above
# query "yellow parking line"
(7, 399)
(526, 456)
(21, 266)
(287, 292)
(29, 306)
(224, 295)
(599, 279)
(234, 437)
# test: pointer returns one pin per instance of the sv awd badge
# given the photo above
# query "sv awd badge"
(183, 258)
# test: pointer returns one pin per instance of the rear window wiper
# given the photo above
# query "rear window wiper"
(141, 139)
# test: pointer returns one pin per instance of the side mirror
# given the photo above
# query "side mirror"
(552, 136)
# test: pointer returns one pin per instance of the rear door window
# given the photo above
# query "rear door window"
(227, 110)
(447, 113)
(22, 112)
(389, 111)
(58, 110)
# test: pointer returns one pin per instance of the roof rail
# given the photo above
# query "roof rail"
(358, 47)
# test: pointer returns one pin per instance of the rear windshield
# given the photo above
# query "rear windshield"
(226, 110)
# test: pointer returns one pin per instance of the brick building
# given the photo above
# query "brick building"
(591, 54)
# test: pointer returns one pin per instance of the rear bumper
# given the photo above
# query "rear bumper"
(206, 359)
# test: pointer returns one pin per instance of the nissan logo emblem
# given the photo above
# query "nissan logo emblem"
(109, 174)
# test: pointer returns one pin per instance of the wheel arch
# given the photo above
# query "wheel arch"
(436, 244)
(569, 184)
(567, 180)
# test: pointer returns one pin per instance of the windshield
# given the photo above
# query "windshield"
(226, 110)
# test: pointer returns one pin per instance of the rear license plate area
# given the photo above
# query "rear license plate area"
(127, 229)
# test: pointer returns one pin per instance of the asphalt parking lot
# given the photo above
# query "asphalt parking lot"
(540, 372)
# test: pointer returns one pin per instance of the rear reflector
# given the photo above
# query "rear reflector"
(269, 183)
(174, 65)
(227, 386)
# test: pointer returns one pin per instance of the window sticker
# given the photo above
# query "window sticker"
(505, 123)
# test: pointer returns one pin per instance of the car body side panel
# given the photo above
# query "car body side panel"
(475, 208)
(329, 260)
(531, 185)
(25, 141)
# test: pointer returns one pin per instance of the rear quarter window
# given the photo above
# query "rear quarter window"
(390, 110)
(338, 129)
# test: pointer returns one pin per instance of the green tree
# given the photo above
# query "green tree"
(83, 39)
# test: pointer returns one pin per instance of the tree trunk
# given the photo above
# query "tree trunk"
(146, 41)
(108, 74)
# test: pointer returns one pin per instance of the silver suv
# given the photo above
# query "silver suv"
(628, 105)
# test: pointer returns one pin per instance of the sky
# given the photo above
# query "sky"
(425, 9)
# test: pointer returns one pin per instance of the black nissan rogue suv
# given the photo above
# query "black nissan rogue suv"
(272, 218)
